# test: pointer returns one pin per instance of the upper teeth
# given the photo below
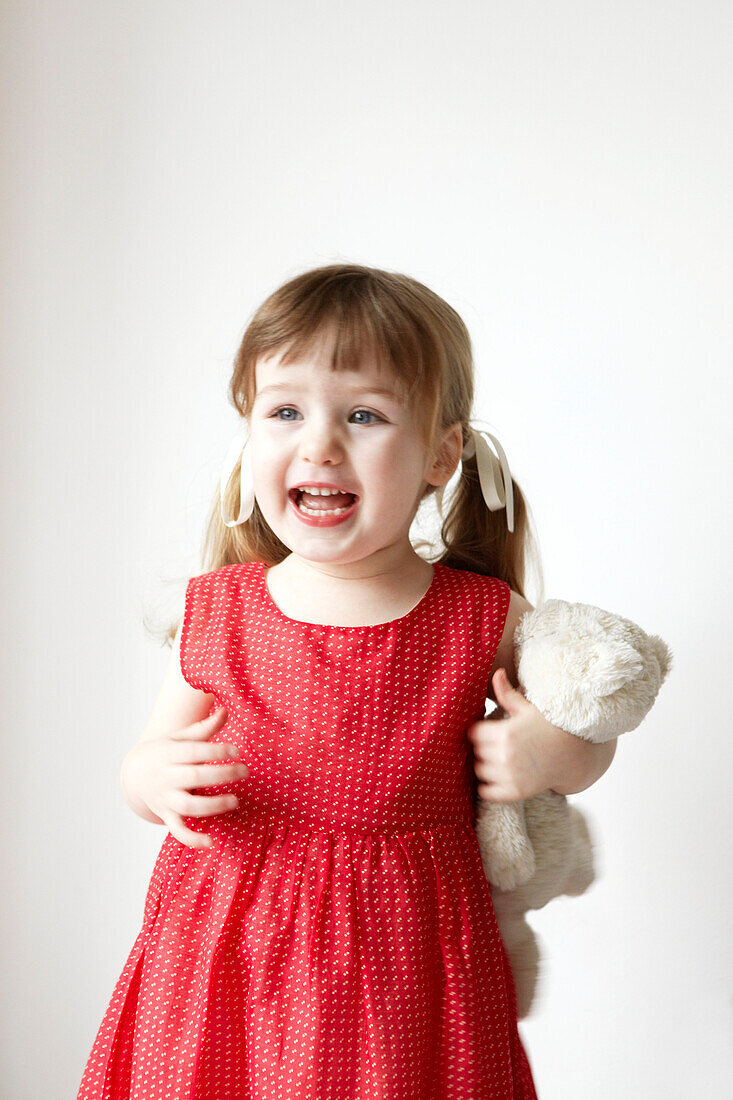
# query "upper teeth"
(319, 492)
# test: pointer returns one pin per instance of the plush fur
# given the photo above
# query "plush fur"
(596, 675)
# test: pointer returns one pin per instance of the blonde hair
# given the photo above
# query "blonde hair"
(404, 327)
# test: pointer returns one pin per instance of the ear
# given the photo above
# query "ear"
(447, 456)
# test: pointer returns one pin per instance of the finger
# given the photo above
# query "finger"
(198, 752)
(507, 696)
(199, 805)
(481, 734)
(188, 776)
(497, 792)
(202, 729)
(483, 772)
(488, 744)
(186, 836)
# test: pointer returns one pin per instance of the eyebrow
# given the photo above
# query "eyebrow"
(278, 386)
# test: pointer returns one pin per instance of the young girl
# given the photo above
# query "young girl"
(318, 925)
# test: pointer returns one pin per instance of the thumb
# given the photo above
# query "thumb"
(204, 728)
(506, 694)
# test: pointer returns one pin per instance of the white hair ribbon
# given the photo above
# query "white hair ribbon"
(494, 474)
(238, 447)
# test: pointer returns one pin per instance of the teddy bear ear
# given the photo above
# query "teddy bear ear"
(663, 654)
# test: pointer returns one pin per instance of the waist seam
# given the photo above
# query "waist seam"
(407, 830)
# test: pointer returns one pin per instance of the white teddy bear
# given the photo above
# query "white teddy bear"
(595, 675)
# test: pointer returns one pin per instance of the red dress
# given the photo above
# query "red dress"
(338, 940)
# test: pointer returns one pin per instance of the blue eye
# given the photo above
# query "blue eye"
(289, 408)
(368, 413)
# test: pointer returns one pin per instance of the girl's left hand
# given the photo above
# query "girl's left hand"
(517, 752)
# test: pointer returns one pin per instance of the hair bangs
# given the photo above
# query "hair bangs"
(355, 327)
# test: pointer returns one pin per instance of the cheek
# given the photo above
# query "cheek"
(265, 451)
(397, 478)
(404, 469)
(268, 468)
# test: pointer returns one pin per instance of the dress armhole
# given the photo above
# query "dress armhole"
(499, 596)
(199, 616)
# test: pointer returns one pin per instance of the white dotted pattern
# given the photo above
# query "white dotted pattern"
(338, 940)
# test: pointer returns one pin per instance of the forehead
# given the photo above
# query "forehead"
(314, 371)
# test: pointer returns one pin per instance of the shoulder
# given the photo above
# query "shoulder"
(225, 571)
(212, 598)
(500, 596)
(518, 606)
(223, 577)
(495, 594)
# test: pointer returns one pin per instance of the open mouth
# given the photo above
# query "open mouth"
(323, 504)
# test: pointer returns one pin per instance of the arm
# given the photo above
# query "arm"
(521, 753)
(590, 764)
(177, 705)
(585, 761)
(505, 653)
(171, 758)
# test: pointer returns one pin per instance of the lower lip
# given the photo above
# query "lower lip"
(326, 521)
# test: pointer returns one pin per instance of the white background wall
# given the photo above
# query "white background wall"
(561, 173)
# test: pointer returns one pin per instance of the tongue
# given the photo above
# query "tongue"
(334, 500)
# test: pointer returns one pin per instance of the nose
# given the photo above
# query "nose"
(321, 442)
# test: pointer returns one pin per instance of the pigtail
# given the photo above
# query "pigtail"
(478, 539)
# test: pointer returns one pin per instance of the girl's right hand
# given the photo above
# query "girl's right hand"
(161, 772)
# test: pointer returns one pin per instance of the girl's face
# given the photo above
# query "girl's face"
(351, 430)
